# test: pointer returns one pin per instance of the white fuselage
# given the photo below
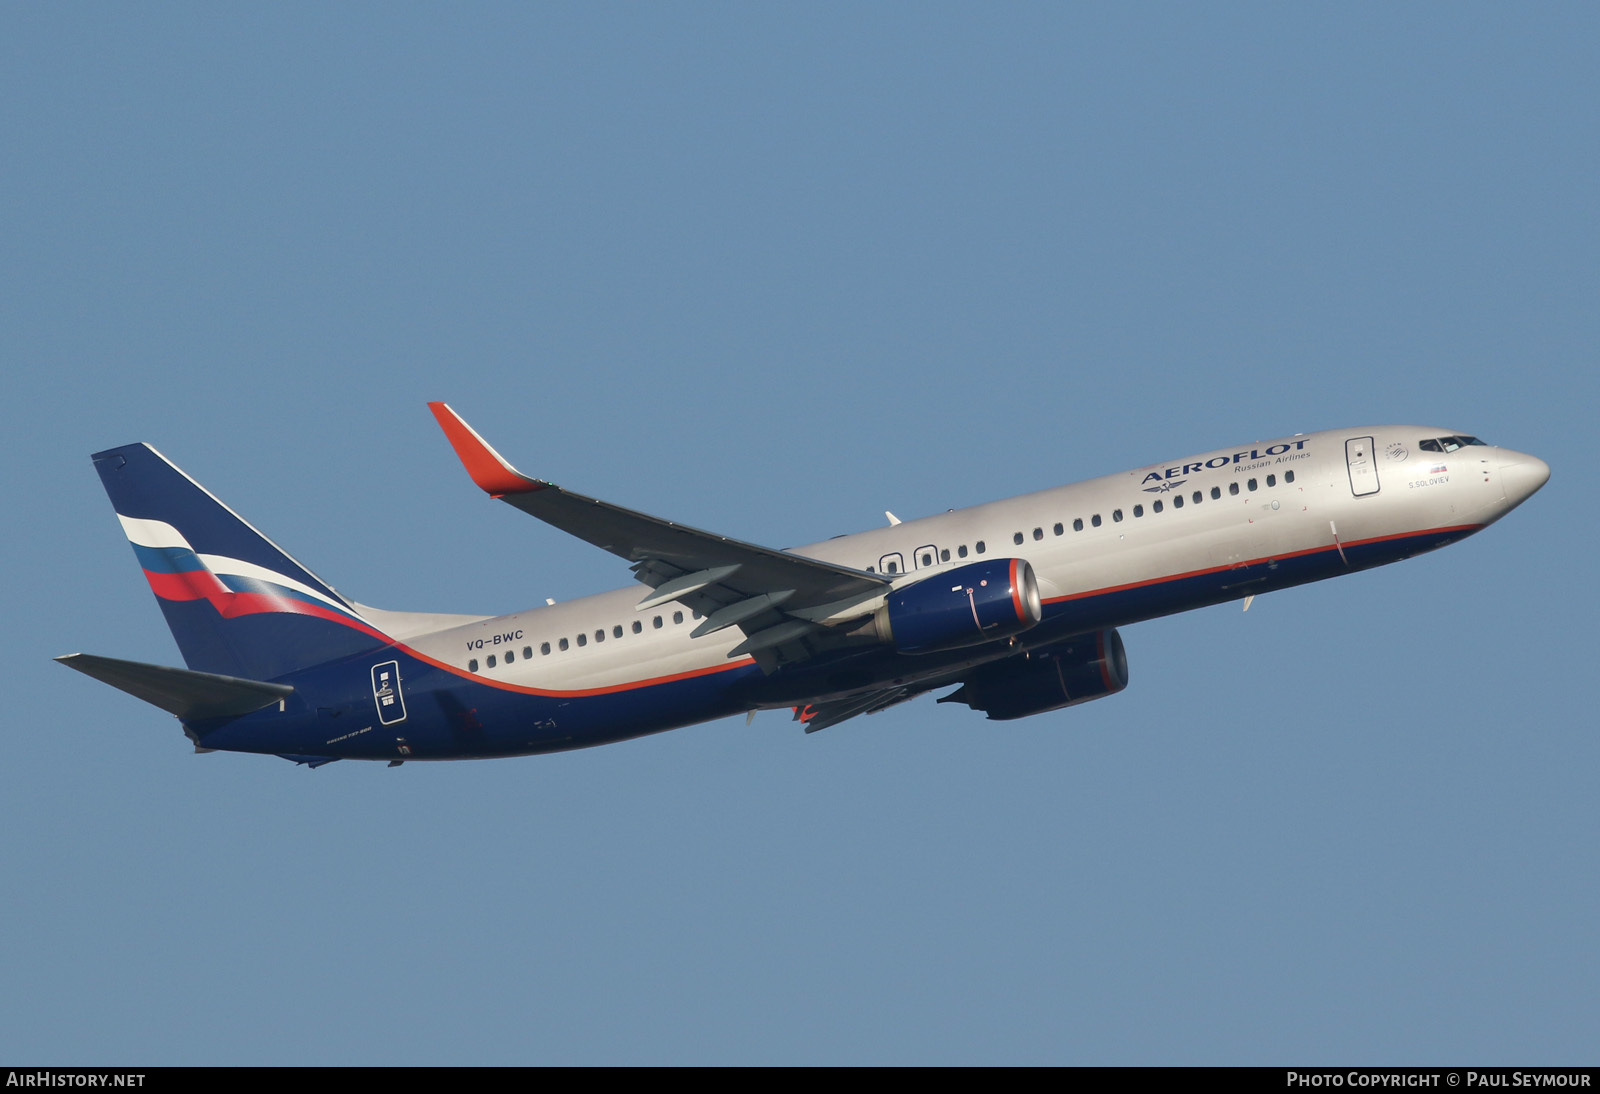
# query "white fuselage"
(1236, 509)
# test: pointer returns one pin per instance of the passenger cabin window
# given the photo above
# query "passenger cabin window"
(583, 640)
(1155, 506)
(1138, 510)
(1059, 529)
(616, 632)
(677, 617)
(544, 648)
(638, 627)
(1038, 534)
(1095, 520)
(980, 547)
(1017, 539)
(1077, 524)
(1177, 501)
(1288, 476)
(1272, 480)
(510, 657)
(961, 551)
(600, 635)
(927, 558)
(472, 666)
(944, 555)
(1251, 485)
(564, 645)
(1216, 492)
(490, 661)
(1116, 514)
(527, 652)
(1233, 489)
(656, 622)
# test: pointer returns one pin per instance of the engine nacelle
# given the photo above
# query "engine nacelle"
(966, 606)
(1064, 675)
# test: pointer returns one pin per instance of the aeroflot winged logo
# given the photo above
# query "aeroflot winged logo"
(1272, 453)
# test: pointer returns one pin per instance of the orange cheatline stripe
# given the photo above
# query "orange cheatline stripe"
(632, 685)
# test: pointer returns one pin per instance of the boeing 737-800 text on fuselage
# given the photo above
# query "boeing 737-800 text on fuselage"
(1014, 604)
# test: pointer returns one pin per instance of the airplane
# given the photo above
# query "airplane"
(1014, 604)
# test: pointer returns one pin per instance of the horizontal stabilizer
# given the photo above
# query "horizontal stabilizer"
(192, 696)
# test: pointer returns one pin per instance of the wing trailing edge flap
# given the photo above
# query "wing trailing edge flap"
(824, 715)
(778, 599)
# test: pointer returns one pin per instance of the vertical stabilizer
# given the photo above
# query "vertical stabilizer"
(236, 602)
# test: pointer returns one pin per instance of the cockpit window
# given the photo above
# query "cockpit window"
(1447, 444)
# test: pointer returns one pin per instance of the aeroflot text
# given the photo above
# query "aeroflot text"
(1473, 1079)
(1223, 461)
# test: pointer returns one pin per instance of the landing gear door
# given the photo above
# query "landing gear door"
(1363, 470)
(386, 692)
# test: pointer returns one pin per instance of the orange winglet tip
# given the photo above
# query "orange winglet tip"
(493, 475)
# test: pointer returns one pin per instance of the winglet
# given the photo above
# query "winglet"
(487, 467)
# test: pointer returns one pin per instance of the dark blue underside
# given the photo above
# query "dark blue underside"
(332, 713)
(448, 716)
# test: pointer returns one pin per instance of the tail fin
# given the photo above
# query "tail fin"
(237, 604)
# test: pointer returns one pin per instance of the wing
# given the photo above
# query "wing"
(776, 598)
(817, 716)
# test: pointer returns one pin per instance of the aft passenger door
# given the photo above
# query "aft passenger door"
(386, 693)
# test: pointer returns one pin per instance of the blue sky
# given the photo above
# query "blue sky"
(773, 271)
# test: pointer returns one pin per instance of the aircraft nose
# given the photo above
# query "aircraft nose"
(1522, 475)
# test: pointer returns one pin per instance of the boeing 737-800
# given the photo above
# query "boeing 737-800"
(1014, 604)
